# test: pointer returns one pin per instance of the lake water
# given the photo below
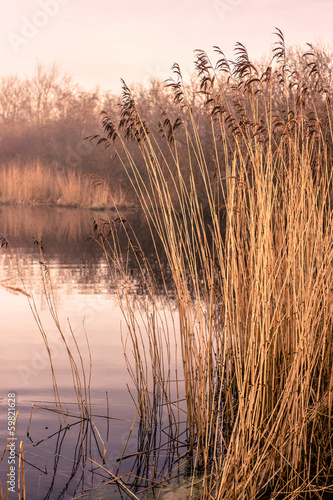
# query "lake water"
(85, 299)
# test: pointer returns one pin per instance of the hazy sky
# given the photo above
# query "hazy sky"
(101, 41)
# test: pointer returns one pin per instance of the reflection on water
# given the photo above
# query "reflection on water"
(83, 292)
(75, 265)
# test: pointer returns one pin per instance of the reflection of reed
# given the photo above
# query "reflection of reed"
(60, 225)
(162, 450)
(91, 446)
(66, 230)
(75, 263)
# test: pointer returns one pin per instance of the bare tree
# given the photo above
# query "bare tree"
(49, 89)
(14, 98)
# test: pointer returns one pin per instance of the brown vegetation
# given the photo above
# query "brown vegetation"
(247, 229)
(36, 184)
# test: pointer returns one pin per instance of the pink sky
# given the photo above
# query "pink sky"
(99, 42)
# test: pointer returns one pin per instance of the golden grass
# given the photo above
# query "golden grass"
(249, 244)
(36, 183)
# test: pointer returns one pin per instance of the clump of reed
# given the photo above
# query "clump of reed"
(38, 184)
(247, 234)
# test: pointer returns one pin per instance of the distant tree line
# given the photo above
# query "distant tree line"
(47, 116)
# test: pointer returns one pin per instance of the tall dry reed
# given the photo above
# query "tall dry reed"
(247, 234)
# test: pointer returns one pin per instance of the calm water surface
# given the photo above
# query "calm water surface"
(85, 299)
